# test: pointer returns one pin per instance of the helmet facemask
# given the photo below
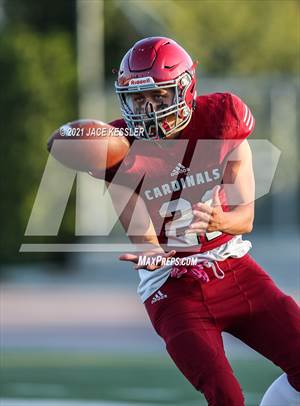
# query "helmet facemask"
(160, 122)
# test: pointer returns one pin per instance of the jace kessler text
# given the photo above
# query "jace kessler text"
(67, 131)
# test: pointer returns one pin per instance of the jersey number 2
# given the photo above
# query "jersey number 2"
(184, 209)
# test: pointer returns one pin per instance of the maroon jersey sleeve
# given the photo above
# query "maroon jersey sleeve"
(221, 116)
(236, 122)
(243, 116)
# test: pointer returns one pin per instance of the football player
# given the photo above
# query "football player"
(197, 200)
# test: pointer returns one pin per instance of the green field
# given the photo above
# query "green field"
(148, 379)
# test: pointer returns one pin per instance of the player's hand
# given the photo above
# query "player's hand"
(155, 256)
(207, 218)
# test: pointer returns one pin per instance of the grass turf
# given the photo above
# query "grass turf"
(149, 379)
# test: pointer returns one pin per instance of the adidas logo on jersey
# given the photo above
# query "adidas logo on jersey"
(179, 168)
(158, 296)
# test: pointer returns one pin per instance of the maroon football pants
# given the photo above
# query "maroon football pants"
(246, 304)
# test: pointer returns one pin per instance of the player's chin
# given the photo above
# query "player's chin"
(173, 135)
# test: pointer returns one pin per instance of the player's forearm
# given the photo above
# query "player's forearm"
(141, 232)
(149, 238)
(239, 220)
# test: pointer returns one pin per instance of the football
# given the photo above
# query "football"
(88, 145)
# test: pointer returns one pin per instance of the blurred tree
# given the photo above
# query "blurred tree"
(227, 36)
(117, 41)
(38, 93)
(42, 16)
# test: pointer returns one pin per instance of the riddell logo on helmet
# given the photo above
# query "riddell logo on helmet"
(141, 81)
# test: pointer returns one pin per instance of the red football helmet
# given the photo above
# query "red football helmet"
(157, 63)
